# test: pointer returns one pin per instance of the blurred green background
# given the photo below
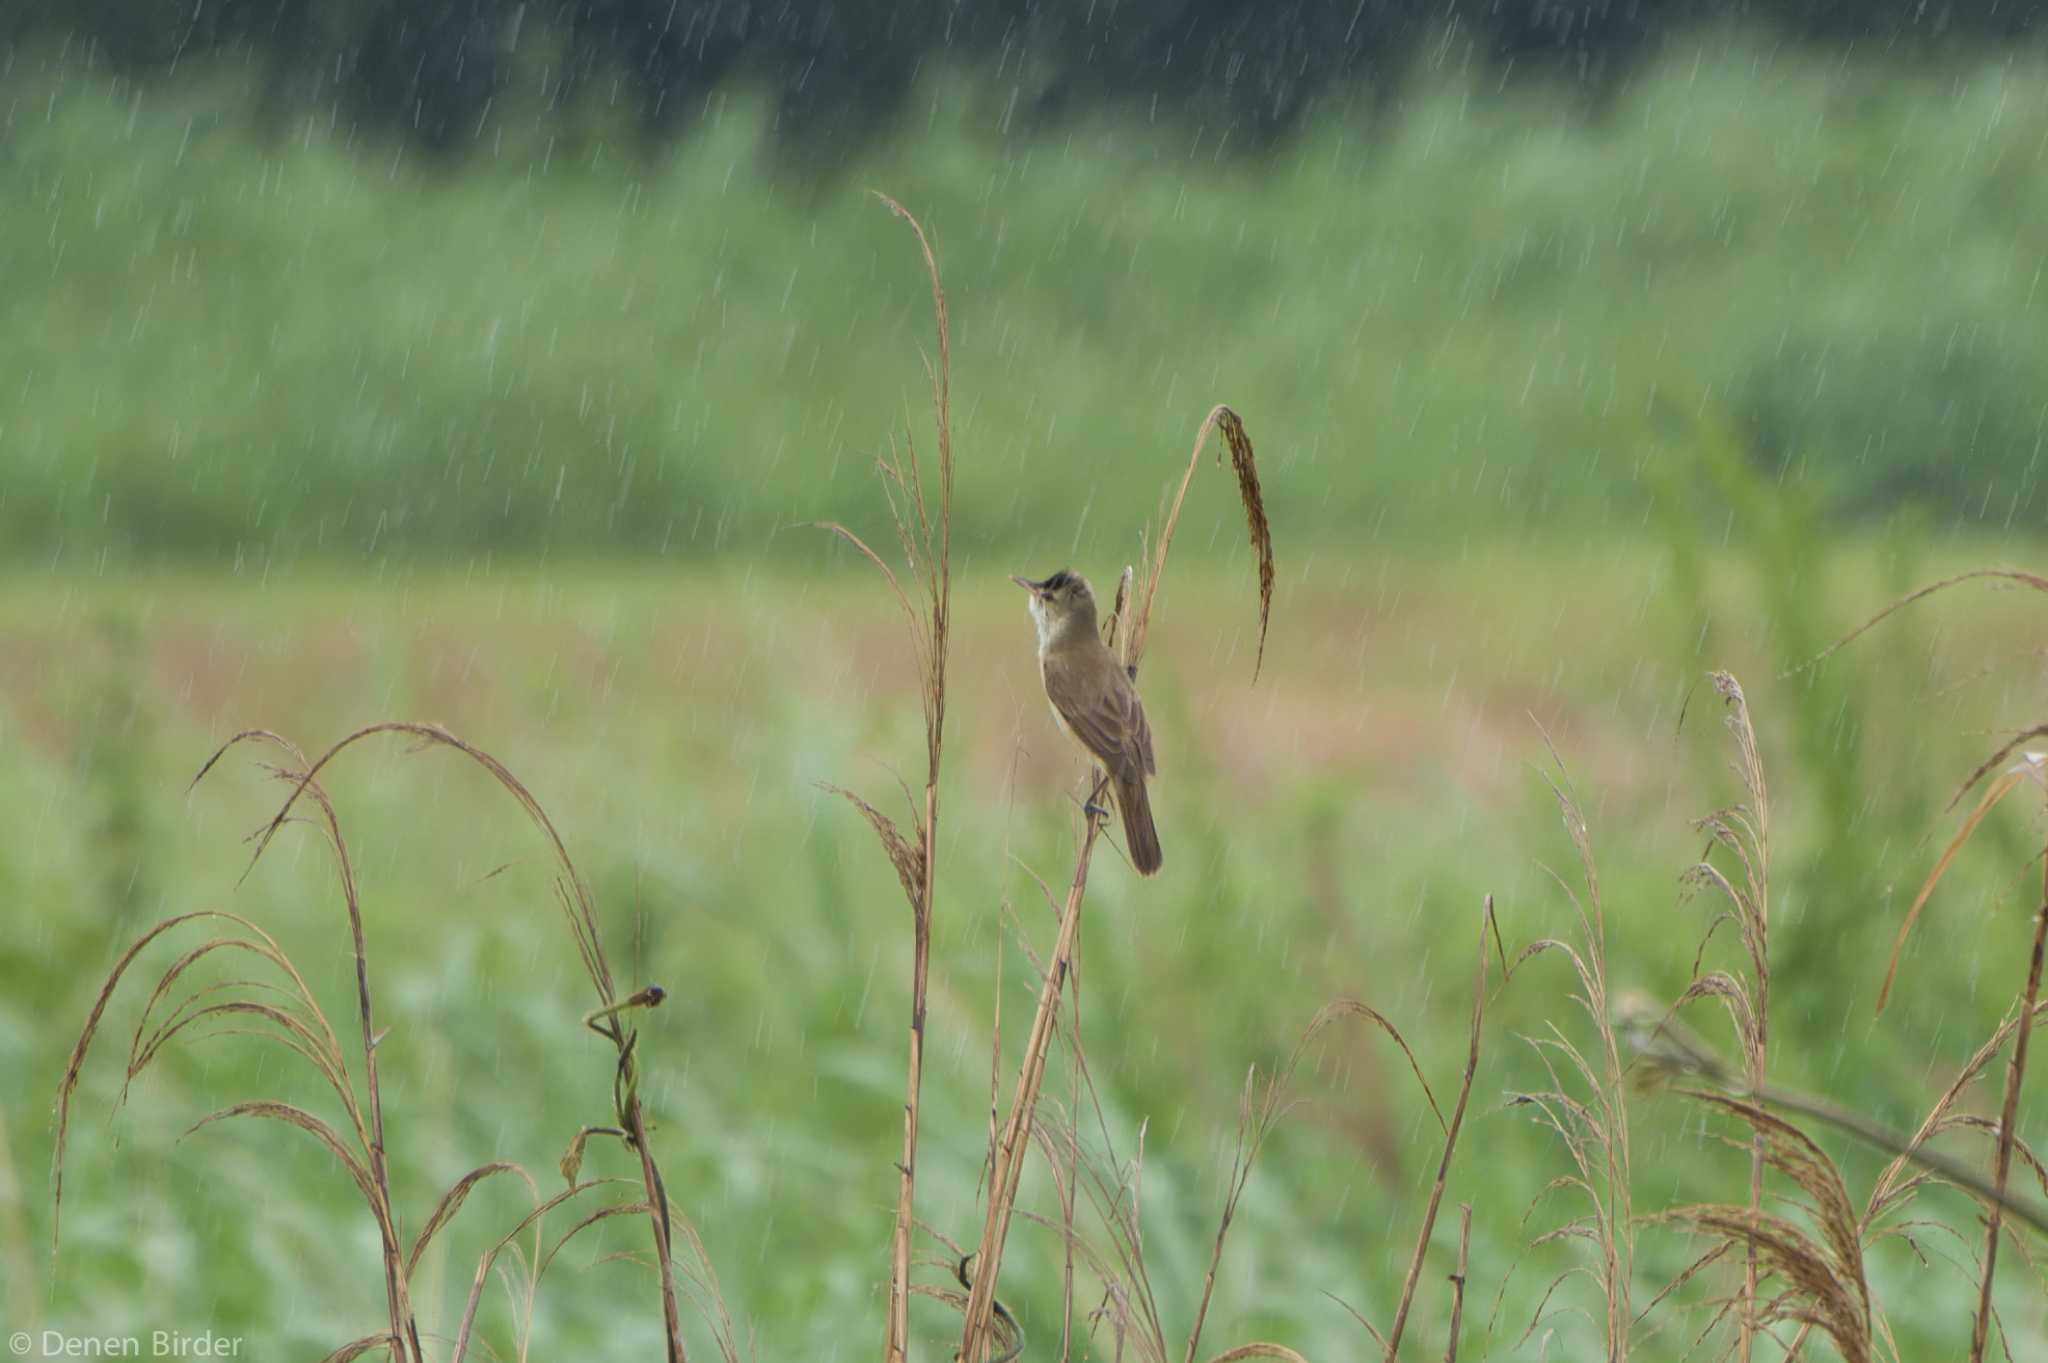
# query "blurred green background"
(1558, 403)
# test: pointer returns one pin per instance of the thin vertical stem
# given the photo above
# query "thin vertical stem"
(1443, 1168)
(657, 1204)
(938, 576)
(1756, 1164)
(404, 1336)
(1068, 1194)
(1011, 1149)
(1752, 825)
(1458, 1281)
(898, 1341)
(2015, 1073)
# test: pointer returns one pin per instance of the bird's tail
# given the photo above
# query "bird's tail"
(1141, 839)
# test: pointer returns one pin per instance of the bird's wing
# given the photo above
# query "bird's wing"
(1144, 733)
(1110, 723)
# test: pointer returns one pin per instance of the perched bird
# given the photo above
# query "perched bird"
(1095, 703)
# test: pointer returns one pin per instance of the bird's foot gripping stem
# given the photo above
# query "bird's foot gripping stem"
(1093, 806)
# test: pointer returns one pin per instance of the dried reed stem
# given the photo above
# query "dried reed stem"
(2033, 580)
(1011, 1148)
(1077, 1055)
(1252, 1127)
(2015, 1073)
(1995, 792)
(404, 1332)
(1744, 831)
(896, 1343)
(395, 1287)
(1757, 934)
(927, 543)
(302, 1028)
(1239, 444)
(1747, 1315)
(1458, 1281)
(934, 563)
(489, 1257)
(580, 910)
(657, 1213)
(1595, 1130)
(927, 540)
(403, 1329)
(1443, 1167)
(1891, 1189)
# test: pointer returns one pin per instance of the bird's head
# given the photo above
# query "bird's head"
(1062, 605)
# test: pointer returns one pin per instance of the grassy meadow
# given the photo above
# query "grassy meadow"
(1330, 833)
(1557, 407)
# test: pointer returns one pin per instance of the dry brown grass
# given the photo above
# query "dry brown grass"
(2031, 769)
(925, 534)
(1742, 833)
(1819, 1272)
(1586, 1105)
(1392, 1342)
(1011, 1145)
(1810, 1271)
(186, 1004)
(1805, 1269)
(1085, 1172)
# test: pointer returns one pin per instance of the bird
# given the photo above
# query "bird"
(1095, 702)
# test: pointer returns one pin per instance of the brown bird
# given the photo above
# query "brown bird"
(1095, 703)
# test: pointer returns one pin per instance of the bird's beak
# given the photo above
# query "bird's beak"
(1027, 584)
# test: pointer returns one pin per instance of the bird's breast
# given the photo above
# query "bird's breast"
(1058, 717)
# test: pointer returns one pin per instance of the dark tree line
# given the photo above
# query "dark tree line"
(432, 70)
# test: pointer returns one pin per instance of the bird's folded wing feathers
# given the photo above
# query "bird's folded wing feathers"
(1109, 721)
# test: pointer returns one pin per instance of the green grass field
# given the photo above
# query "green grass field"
(1330, 832)
(1557, 407)
(1489, 307)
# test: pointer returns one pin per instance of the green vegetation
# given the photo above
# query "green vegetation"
(1330, 832)
(1480, 309)
(1556, 409)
